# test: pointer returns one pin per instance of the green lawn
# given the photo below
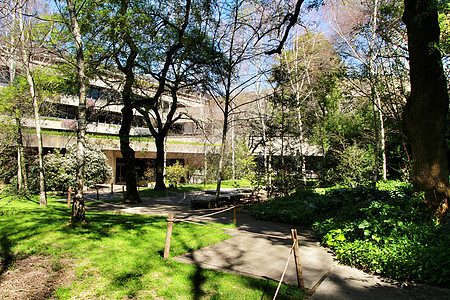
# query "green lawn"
(118, 256)
(150, 192)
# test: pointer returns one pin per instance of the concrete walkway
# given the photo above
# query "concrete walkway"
(265, 257)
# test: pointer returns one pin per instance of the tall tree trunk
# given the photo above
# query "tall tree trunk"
(376, 102)
(426, 110)
(261, 116)
(37, 118)
(160, 162)
(205, 149)
(226, 109)
(222, 147)
(233, 155)
(22, 177)
(297, 86)
(78, 207)
(301, 156)
(128, 154)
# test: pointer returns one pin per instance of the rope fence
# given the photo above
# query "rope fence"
(191, 220)
(284, 272)
(294, 249)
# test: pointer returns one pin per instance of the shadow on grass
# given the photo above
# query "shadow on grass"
(198, 279)
(5, 253)
(123, 249)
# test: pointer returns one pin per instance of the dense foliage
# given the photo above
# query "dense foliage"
(380, 230)
(60, 170)
(177, 173)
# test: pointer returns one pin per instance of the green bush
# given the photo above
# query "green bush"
(60, 170)
(175, 173)
(351, 166)
(380, 230)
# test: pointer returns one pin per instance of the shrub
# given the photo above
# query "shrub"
(149, 174)
(350, 167)
(60, 170)
(175, 173)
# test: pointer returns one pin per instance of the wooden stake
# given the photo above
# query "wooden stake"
(112, 188)
(168, 235)
(69, 192)
(298, 264)
(98, 197)
(123, 193)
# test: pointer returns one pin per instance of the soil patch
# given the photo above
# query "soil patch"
(35, 277)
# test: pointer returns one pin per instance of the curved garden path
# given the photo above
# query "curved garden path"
(265, 256)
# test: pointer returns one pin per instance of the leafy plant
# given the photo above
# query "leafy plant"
(60, 170)
(175, 173)
(380, 230)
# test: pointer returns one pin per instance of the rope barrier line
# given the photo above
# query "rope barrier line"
(109, 203)
(204, 216)
(214, 213)
(210, 209)
(224, 210)
(237, 230)
(285, 269)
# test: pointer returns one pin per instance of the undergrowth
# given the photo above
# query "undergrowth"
(380, 230)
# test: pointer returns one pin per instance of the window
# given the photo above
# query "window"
(94, 92)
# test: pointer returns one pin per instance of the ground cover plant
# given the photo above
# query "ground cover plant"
(380, 230)
(117, 256)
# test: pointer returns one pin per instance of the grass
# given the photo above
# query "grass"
(150, 192)
(118, 256)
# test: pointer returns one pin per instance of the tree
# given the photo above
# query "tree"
(240, 31)
(310, 66)
(12, 106)
(67, 43)
(14, 102)
(145, 40)
(29, 47)
(190, 66)
(28, 60)
(370, 36)
(426, 111)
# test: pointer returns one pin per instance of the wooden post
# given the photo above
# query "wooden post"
(98, 197)
(112, 188)
(69, 195)
(168, 235)
(298, 264)
(123, 193)
(234, 213)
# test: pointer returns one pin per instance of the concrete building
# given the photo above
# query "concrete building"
(185, 143)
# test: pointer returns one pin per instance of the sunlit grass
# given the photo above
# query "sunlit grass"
(150, 192)
(118, 256)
